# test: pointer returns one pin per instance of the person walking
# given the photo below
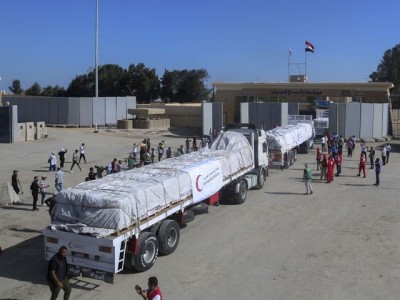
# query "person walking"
(349, 146)
(82, 153)
(61, 155)
(160, 152)
(53, 162)
(319, 157)
(330, 169)
(153, 292)
(57, 276)
(361, 165)
(43, 188)
(75, 161)
(323, 143)
(354, 141)
(338, 161)
(307, 176)
(388, 149)
(35, 192)
(364, 148)
(371, 156)
(378, 168)
(59, 180)
(384, 152)
(15, 182)
(324, 167)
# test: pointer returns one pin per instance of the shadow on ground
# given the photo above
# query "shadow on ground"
(25, 262)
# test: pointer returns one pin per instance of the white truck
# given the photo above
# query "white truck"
(321, 126)
(126, 219)
(284, 143)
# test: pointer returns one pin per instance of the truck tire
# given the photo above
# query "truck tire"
(260, 179)
(198, 209)
(147, 251)
(168, 236)
(154, 229)
(188, 216)
(240, 197)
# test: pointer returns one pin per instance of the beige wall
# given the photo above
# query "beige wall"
(180, 115)
(232, 94)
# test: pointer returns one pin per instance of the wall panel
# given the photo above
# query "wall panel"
(367, 116)
(111, 110)
(99, 111)
(377, 129)
(85, 111)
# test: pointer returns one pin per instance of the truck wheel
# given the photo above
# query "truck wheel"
(198, 209)
(260, 179)
(168, 236)
(240, 197)
(147, 251)
(154, 229)
(188, 216)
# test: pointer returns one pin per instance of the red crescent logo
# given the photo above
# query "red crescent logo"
(197, 184)
(69, 244)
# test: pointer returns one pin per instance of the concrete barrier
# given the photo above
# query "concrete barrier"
(40, 130)
(124, 124)
(30, 131)
(21, 132)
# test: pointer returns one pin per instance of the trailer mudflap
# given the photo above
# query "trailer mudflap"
(76, 271)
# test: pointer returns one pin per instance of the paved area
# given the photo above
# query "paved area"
(342, 242)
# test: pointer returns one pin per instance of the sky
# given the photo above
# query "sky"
(52, 41)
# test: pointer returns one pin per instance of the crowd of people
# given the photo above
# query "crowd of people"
(142, 154)
(331, 155)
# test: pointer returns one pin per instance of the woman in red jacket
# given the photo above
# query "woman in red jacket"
(361, 165)
(331, 166)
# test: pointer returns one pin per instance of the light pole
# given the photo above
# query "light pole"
(97, 51)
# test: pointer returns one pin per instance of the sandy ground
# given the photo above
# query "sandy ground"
(342, 242)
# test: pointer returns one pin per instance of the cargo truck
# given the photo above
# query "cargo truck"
(286, 141)
(125, 220)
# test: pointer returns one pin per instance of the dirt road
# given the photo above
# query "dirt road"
(342, 242)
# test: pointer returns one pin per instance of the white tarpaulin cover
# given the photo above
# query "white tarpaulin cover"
(115, 202)
(289, 136)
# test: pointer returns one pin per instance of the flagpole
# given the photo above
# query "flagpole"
(305, 65)
(288, 65)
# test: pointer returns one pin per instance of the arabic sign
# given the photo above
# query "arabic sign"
(296, 91)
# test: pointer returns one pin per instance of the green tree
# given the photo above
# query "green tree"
(389, 68)
(82, 86)
(55, 91)
(16, 88)
(185, 85)
(34, 90)
(111, 80)
(142, 82)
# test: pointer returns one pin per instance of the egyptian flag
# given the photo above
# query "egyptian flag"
(309, 47)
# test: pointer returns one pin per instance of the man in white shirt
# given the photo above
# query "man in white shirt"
(384, 152)
(82, 153)
(323, 144)
(388, 149)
